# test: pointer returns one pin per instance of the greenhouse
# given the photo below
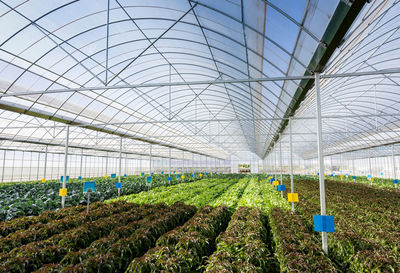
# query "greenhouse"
(199, 136)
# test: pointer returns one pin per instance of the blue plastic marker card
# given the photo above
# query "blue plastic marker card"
(62, 178)
(396, 181)
(354, 177)
(113, 175)
(324, 223)
(118, 185)
(192, 175)
(80, 178)
(125, 175)
(169, 178)
(281, 187)
(148, 179)
(90, 185)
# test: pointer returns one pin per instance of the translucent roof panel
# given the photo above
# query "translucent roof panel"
(360, 112)
(89, 44)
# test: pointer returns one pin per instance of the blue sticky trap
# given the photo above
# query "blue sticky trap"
(281, 187)
(125, 175)
(192, 175)
(118, 185)
(113, 175)
(396, 181)
(152, 174)
(148, 179)
(381, 173)
(354, 177)
(142, 174)
(332, 175)
(80, 178)
(162, 172)
(62, 178)
(317, 173)
(90, 185)
(215, 173)
(206, 173)
(169, 178)
(324, 223)
(178, 176)
(273, 179)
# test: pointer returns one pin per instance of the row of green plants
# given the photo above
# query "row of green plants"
(27, 199)
(185, 248)
(244, 245)
(126, 229)
(198, 193)
(366, 237)
(377, 181)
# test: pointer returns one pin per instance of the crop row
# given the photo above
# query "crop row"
(366, 236)
(184, 248)
(125, 228)
(244, 245)
(21, 199)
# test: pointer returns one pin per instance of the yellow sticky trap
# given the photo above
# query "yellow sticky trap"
(313, 173)
(324, 174)
(293, 197)
(341, 176)
(372, 179)
(200, 174)
(63, 192)
(106, 176)
(276, 183)
(43, 179)
(183, 177)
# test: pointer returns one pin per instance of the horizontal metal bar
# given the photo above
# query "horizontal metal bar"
(213, 82)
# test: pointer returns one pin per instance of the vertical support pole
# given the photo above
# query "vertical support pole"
(169, 161)
(183, 162)
(80, 170)
(45, 163)
(370, 166)
(394, 165)
(192, 162)
(291, 160)
(120, 163)
(321, 160)
(107, 163)
(151, 159)
(64, 183)
(4, 166)
(354, 170)
(280, 164)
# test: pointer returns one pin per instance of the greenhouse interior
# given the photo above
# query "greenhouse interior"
(199, 136)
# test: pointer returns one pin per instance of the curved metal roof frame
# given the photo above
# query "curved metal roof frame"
(72, 44)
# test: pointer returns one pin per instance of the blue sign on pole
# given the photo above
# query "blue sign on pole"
(396, 181)
(324, 223)
(62, 178)
(89, 186)
(178, 176)
(148, 179)
(347, 175)
(192, 175)
(169, 178)
(80, 178)
(142, 174)
(354, 177)
(125, 175)
(113, 175)
(369, 176)
(118, 185)
(281, 187)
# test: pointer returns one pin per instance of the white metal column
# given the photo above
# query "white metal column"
(291, 160)
(169, 161)
(370, 166)
(151, 159)
(120, 163)
(280, 164)
(64, 183)
(45, 163)
(321, 160)
(394, 165)
(80, 171)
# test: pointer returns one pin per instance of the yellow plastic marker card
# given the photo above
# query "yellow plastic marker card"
(63, 192)
(372, 179)
(183, 177)
(276, 183)
(105, 176)
(293, 197)
(43, 179)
